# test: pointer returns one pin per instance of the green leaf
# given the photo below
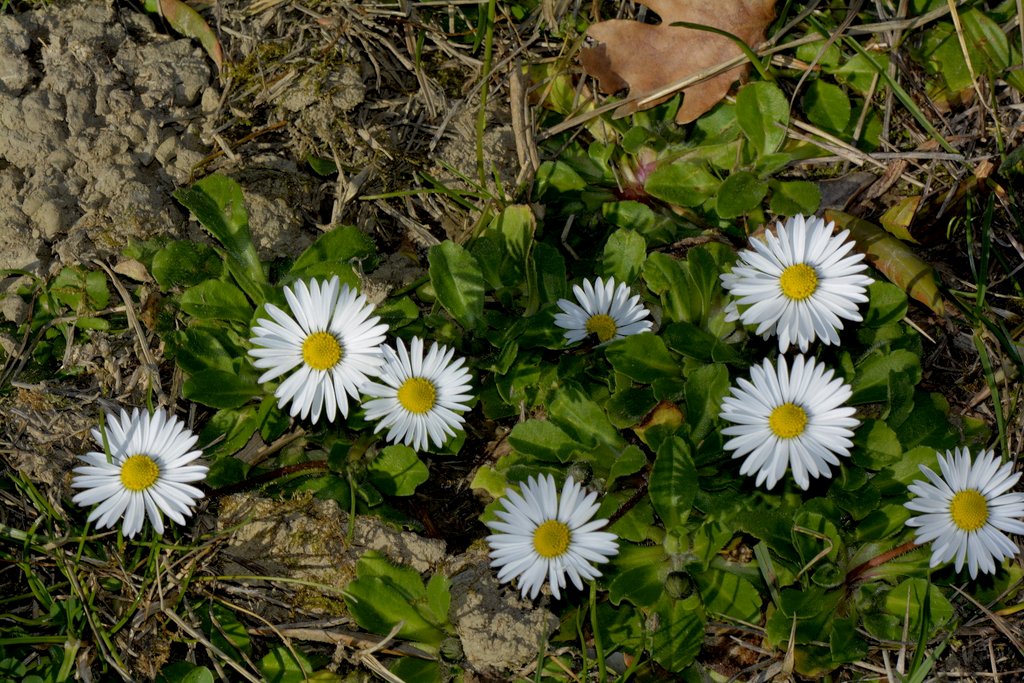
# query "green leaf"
(80, 289)
(813, 534)
(490, 480)
(826, 56)
(397, 313)
(217, 202)
(86, 322)
(583, 419)
(188, 22)
(680, 633)
(321, 165)
(845, 644)
(183, 264)
(231, 429)
(852, 492)
(384, 595)
(637, 574)
(199, 348)
(875, 445)
(624, 255)
(907, 469)
(340, 246)
(627, 407)
(811, 609)
(642, 357)
(882, 522)
(281, 666)
(827, 106)
(791, 197)
(986, 43)
(419, 670)
(220, 389)
(673, 482)
(458, 282)
(927, 423)
(886, 304)
(216, 300)
(694, 342)
(683, 183)
(871, 383)
(916, 598)
(439, 597)
(630, 461)
(396, 471)
(637, 525)
(557, 177)
(184, 672)
(550, 267)
(656, 227)
(516, 224)
(543, 440)
(225, 471)
(763, 113)
(858, 73)
(705, 264)
(490, 255)
(668, 278)
(405, 580)
(705, 388)
(741, 193)
(228, 633)
(728, 594)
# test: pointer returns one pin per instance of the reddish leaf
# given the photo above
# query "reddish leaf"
(647, 58)
(188, 22)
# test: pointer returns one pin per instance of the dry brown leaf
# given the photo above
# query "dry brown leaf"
(648, 57)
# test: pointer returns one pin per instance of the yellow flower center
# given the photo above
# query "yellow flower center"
(551, 539)
(139, 472)
(603, 326)
(798, 281)
(417, 395)
(969, 510)
(788, 421)
(321, 351)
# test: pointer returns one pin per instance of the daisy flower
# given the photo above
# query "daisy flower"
(799, 284)
(789, 418)
(147, 473)
(967, 511)
(604, 309)
(542, 535)
(330, 340)
(419, 397)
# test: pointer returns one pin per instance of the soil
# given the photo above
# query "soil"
(102, 120)
(105, 111)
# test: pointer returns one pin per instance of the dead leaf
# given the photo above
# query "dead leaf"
(647, 58)
(893, 259)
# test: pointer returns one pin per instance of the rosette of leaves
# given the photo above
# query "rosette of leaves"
(638, 420)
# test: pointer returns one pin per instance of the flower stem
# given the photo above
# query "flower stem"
(629, 503)
(267, 477)
(861, 569)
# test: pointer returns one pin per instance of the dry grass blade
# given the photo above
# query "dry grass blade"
(201, 638)
(150, 365)
(353, 639)
(1002, 624)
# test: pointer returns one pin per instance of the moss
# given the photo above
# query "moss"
(257, 66)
